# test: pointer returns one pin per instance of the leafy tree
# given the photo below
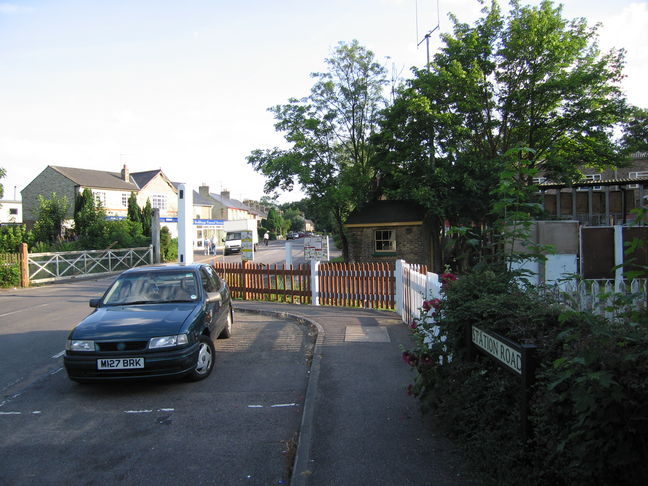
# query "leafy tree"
(12, 236)
(635, 136)
(531, 80)
(134, 213)
(328, 133)
(294, 219)
(86, 214)
(274, 222)
(147, 213)
(50, 216)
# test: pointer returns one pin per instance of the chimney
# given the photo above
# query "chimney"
(225, 194)
(125, 174)
(204, 190)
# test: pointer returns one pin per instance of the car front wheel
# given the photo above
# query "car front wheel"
(205, 360)
(227, 330)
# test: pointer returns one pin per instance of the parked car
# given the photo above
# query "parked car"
(152, 322)
(292, 235)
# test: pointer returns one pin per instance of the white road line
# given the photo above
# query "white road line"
(10, 413)
(283, 405)
(56, 371)
(255, 406)
(23, 310)
(58, 355)
(138, 411)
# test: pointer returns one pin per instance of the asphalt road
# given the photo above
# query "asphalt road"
(274, 253)
(236, 427)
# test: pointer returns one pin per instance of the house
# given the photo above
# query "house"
(10, 212)
(113, 189)
(389, 231)
(225, 207)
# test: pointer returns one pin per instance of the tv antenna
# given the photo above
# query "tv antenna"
(426, 37)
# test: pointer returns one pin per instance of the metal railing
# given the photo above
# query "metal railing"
(48, 267)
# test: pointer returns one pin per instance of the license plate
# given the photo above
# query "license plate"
(120, 363)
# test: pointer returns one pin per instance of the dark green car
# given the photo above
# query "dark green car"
(152, 322)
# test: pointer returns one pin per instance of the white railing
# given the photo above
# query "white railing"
(47, 267)
(412, 288)
(608, 298)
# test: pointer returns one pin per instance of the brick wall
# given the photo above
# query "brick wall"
(412, 244)
(47, 182)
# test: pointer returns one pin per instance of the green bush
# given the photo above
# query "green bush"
(588, 404)
(9, 275)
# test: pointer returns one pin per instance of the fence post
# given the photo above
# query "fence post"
(398, 273)
(618, 257)
(432, 286)
(24, 265)
(314, 264)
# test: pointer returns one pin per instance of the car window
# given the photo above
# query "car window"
(214, 276)
(153, 287)
(208, 281)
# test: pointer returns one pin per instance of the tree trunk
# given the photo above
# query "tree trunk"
(343, 236)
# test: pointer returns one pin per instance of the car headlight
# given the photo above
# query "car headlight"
(168, 341)
(79, 345)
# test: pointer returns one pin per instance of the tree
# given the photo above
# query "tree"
(274, 222)
(328, 133)
(531, 81)
(635, 136)
(133, 213)
(147, 213)
(294, 219)
(50, 216)
(86, 214)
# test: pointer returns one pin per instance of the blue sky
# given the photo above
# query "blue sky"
(185, 86)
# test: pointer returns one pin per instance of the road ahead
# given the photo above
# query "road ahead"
(235, 427)
(274, 253)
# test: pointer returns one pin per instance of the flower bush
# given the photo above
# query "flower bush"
(588, 407)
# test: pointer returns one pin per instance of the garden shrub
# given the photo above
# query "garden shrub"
(588, 405)
(9, 275)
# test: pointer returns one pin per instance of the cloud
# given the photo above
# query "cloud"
(13, 9)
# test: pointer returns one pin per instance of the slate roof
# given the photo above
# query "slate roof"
(230, 203)
(383, 212)
(143, 178)
(96, 178)
(197, 198)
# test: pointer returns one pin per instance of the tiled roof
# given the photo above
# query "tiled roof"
(382, 212)
(606, 182)
(95, 178)
(143, 178)
(197, 198)
(230, 203)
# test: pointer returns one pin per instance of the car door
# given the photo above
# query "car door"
(212, 301)
(220, 314)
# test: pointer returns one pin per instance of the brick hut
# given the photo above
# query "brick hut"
(389, 231)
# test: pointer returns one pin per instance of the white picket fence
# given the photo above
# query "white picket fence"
(608, 298)
(412, 288)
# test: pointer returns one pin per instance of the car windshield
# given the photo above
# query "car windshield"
(233, 236)
(153, 287)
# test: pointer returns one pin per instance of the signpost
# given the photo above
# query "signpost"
(516, 358)
(247, 246)
(316, 248)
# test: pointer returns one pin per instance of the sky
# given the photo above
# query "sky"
(184, 86)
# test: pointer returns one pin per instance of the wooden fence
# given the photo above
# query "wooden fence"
(280, 283)
(369, 285)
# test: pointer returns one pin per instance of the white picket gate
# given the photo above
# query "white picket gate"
(412, 288)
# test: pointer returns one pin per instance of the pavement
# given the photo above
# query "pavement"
(359, 426)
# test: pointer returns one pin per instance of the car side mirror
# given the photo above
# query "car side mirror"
(213, 297)
(94, 302)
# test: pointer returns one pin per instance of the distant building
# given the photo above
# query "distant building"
(113, 189)
(10, 212)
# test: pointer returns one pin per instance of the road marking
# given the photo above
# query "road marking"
(151, 411)
(56, 371)
(10, 413)
(23, 310)
(58, 355)
(283, 405)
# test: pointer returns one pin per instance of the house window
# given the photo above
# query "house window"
(592, 177)
(637, 175)
(100, 198)
(159, 201)
(385, 240)
(125, 197)
(13, 211)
